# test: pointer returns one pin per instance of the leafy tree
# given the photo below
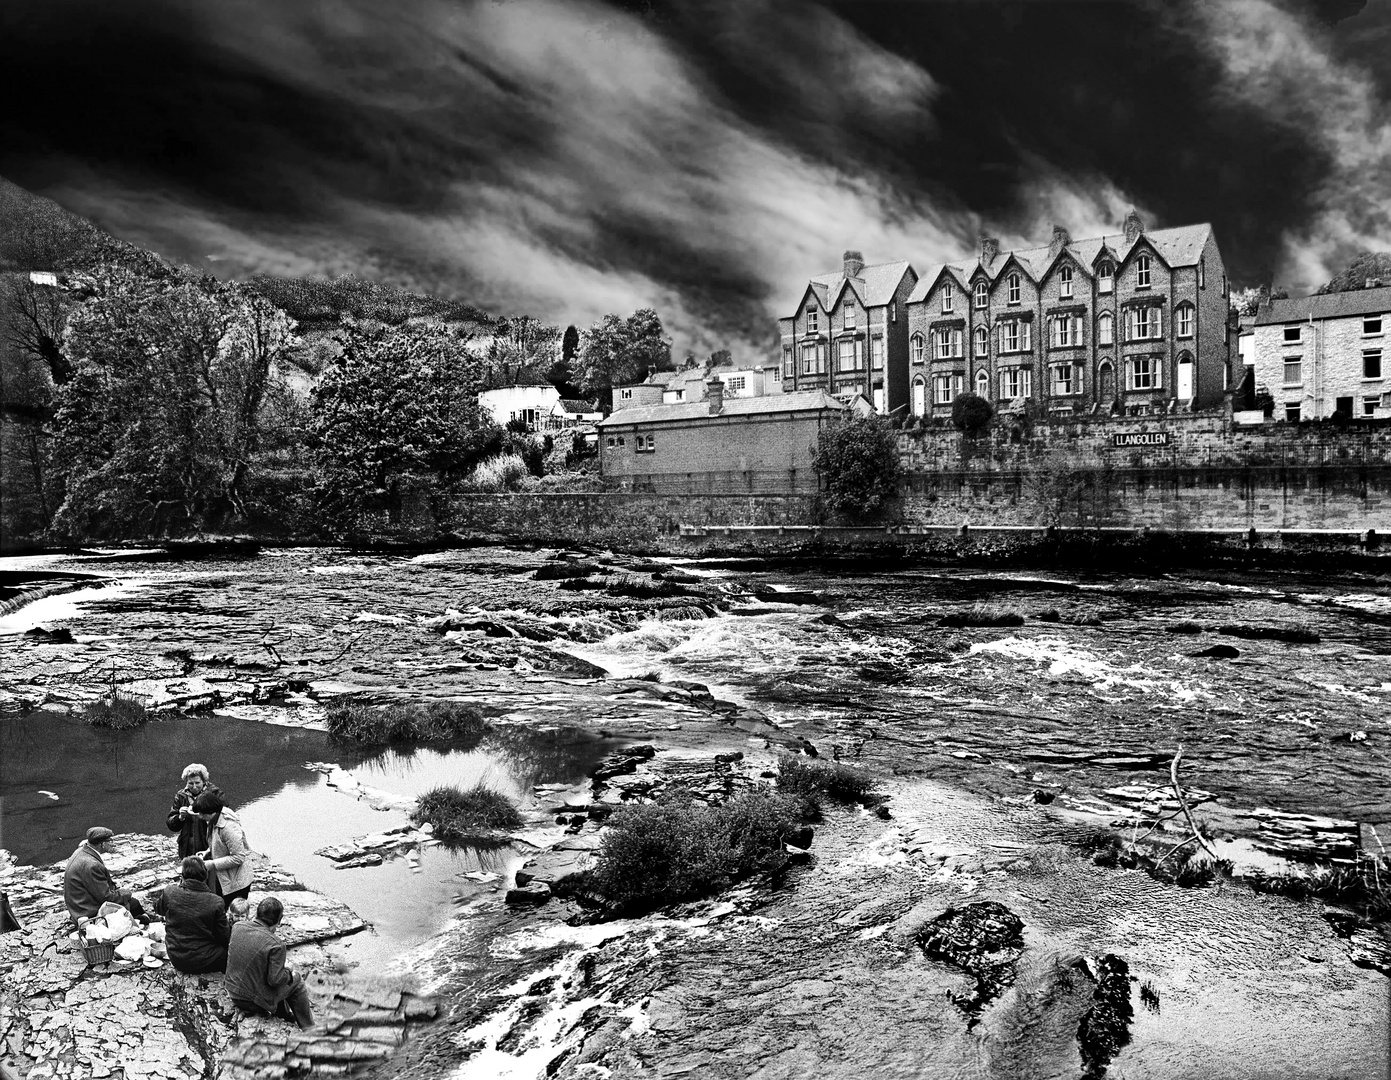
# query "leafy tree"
(156, 427)
(1370, 266)
(971, 414)
(619, 352)
(398, 400)
(521, 352)
(859, 466)
(562, 372)
(718, 359)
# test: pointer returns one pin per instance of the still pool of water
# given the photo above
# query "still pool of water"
(126, 781)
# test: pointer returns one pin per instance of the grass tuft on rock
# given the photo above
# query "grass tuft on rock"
(455, 812)
(118, 713)
(984, 615)
(661, 853)
(375, 725)
(812, 781)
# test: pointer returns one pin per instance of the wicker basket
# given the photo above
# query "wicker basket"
(97, 952)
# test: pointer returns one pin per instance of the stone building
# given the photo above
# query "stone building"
(719, 445)
(848, 333)
(1132, 323)
(1318, 355)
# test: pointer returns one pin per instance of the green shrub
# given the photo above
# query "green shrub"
(857, 461)
(436, 721)
(455, 812)
(661, 853)
(118, 713)
(810, 781)
(502, 472)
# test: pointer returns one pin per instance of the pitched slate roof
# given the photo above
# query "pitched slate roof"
(960, 272)
(1340, 305)
(571, 405)
(799, 401)
(875, 285)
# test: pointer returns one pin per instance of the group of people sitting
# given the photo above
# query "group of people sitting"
(207, 928)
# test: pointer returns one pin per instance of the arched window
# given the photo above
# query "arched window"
(982, 336)
(919, 396)
(1105, 329)
(1105, 277)
(983, 384)
(919, 349)
(1065, 282)
(948, 298)
(1014, 288)
(1183, 320)
(1142, 272)
(982, 294)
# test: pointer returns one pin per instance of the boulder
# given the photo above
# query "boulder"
(985, 940)
(1219, 652)
(532, 894)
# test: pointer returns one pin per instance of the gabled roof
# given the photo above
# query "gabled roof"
(1340, 305)
(874, 285)
(958, 272)
(799, 401)
(573, 406)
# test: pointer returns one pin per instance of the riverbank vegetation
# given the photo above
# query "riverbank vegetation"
(811, 782)
(117, 712)
(376, 725)
(660, 853)
(859, 466)
(458, 812)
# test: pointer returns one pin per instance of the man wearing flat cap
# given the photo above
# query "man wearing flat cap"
(87, 883)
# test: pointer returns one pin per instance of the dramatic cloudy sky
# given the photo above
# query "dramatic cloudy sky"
(565, 158)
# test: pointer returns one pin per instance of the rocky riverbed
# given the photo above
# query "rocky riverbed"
(1061, 715)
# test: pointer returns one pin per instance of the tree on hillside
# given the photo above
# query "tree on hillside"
(156, 427)
(399, 400)
(562, 373)
(522, 352)
(619, 352)
(1368, 268)
(33, 324)
(859, 466)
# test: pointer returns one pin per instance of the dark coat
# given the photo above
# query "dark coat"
(257, 978)
(193, 831)
(87, 884)
(196, 930)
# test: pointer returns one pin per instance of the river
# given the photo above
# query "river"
(1084, 700)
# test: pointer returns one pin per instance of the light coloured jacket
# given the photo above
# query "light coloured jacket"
(230, 854)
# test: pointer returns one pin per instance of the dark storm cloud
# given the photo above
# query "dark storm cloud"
(571, 158)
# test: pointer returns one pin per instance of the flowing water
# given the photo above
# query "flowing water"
(1089, 697)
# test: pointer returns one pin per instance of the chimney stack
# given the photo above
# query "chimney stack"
(1061, 238)
(1132, 227)
(714, 391)
(989, 250)
(854, 263)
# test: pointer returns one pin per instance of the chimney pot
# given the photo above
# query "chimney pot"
(714, 391)
(1132, 227)
(854, 263)
(1061, 238)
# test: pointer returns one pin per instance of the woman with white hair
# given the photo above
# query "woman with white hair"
(192, 830)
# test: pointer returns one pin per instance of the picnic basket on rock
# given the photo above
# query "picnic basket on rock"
(96, 952)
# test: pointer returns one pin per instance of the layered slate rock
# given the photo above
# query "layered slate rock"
(61, 1018)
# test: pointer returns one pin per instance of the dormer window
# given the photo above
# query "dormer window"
(1013, 288)
(1105, 278)
(1065, 282)
(811, 319)
(982, 294)
(948, 300)
(1142, 272)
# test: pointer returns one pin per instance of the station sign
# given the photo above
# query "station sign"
(1141, 438)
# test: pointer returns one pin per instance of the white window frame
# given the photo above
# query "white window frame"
(1142, 272)
(1368, 355)
(1183, 321)
(1009, 336)
(1297, 364)
(1292, 407)
(1106, 329)
(983, 384)
(1369, 405)
(735, 382)
(845, 356)
(1106, 277)
(941, 389)
(813, 319)
(1015, 383)
(958, 342)
(1065, 282)
(1064, 380)
(982, 294)
(1012, 284)
(847, 317)
(876, 351)
(982, 338)
(1367, 327)
(789, 363)
(919, 345)
(1142, 373)
(948, 300)
(1294, 335)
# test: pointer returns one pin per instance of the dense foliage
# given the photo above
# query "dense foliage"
(455, 812)
(859, 466)
(378, 725)
(619, 352)
(397, 400)
(156, 426)
(971, 414)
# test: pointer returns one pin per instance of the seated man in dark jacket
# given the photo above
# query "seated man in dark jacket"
(196, 930)
(257, 979)
(87, 883)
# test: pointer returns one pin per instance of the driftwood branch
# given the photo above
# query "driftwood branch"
(1183, 804)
